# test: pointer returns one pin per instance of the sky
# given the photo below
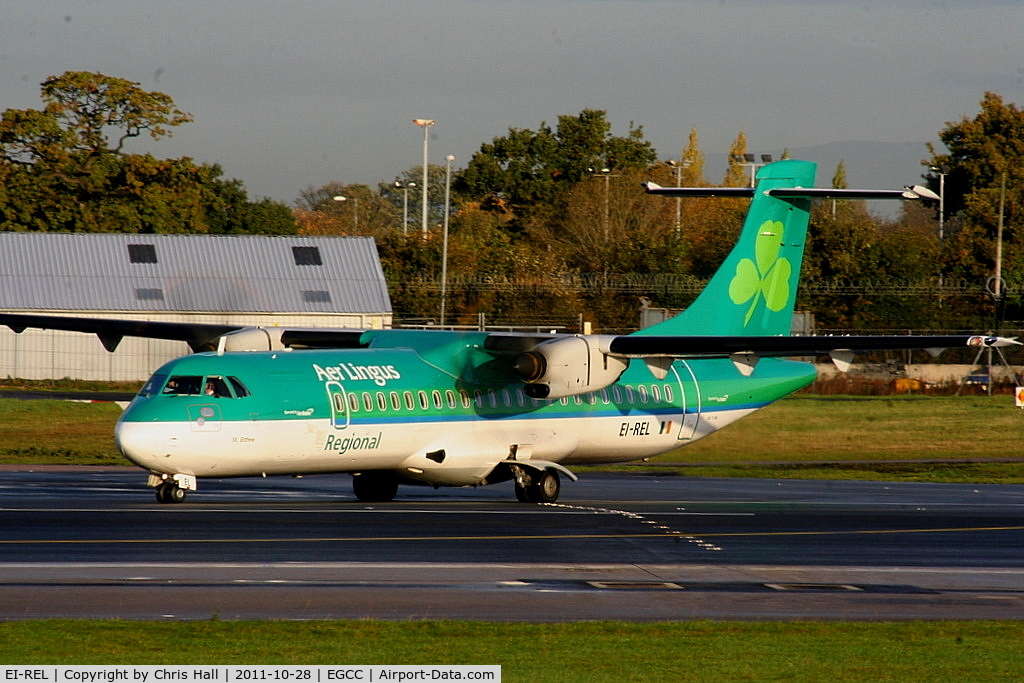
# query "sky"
(293, 94)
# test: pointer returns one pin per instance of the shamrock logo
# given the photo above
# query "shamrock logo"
(769, 276)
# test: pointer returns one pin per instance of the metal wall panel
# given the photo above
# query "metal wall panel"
(57, 271)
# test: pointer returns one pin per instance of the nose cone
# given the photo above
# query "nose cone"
(133, 443)
(143, 441)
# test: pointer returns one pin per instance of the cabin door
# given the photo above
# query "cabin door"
(338, 400)
(690, 401)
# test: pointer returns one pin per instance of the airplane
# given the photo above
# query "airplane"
(457, 408)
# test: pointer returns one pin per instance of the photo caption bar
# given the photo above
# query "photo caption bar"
(253, 673)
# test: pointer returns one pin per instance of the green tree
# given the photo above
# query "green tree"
(534, 171)
(982, 153)
(66, 168)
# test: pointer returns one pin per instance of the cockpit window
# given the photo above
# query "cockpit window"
(240, 390)
(153, 386)
(216, 386)
(184, 385)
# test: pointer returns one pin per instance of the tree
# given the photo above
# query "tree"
(737, 175)
(362, 211)
(65, 167)
(535, 170)
(979, 151)
(984, 153)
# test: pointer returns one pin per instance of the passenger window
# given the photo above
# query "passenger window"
(409, 402)
(450, 396)
(466, 400)
(656, 393)
(642, 390)
(353, 403)
(424, 402)
(396, 402)
(382, 402)
(668, 393)
(437, 399)
(367, 401)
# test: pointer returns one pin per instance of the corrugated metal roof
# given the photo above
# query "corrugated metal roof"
(215, 273)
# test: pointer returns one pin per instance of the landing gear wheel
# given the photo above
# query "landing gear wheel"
(522, 493)
(375, 487)
(545, 487)
(539, 487)
(170, 493)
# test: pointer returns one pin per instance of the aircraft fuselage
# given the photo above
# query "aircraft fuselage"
(358, 410)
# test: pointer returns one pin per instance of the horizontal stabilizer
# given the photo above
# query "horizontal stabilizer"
(915, 192)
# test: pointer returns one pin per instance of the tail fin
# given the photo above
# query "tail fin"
(754, 291)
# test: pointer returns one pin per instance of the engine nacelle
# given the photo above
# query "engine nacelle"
(568, 366)
(251, 339)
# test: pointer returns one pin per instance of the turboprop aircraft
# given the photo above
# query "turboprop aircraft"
(447, 408)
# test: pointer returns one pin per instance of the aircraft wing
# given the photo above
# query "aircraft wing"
(746, 351)
(721, 347)
(111, 331)
(199, 336)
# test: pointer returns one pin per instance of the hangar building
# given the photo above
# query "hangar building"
(298, 281)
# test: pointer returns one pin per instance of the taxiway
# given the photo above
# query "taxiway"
(635, 546)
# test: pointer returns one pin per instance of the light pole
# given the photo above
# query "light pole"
(747, 160)
(425, 124)
(941, 171)
(444, 248)
(606, 174)
(405, 202)
(679, 166)
(355, 210)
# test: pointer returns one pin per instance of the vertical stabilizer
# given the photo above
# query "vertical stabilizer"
(754, 291)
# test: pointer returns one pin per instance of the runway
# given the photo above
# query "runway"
(637, 546)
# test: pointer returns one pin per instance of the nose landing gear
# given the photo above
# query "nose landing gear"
(171, 489)
(170, 492)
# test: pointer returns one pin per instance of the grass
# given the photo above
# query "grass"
(977, 439)
(58, 432)
(590, 651)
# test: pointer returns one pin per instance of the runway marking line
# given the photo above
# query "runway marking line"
(679, 535)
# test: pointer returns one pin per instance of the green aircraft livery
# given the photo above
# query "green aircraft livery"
(446, 408)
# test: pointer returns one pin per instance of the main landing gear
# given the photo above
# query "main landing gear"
(375, 487)
(534, 486)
